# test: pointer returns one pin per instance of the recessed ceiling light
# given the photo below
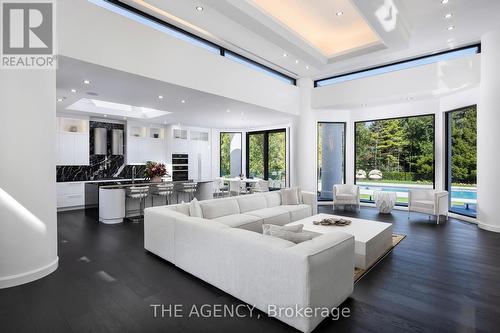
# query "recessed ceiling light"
(449, 15)
(444, 2)
(285, 55)
(124, 118)
(60, 99)
(105, 116)
(199, 8)
(73, 91)
(340, 13)
(307, 67)
(409, 98)
(86, 81)
(364, 105)
(228, 110)
(183, 101)
(296, 61)
(451, 27)
(160, 96)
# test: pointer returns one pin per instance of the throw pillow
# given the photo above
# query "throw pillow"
(289, 196)
(195, 208)
(267, 229)
(295, 237)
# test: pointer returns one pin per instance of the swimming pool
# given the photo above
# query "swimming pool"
(469, 194)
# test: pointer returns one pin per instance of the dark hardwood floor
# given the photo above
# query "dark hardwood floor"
(441, 278)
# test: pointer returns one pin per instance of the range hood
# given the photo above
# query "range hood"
(117, 142)
(100, 141)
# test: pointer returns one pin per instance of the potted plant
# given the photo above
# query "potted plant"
(154, 171)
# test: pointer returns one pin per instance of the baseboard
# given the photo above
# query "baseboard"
(488, 227)
(16, 280)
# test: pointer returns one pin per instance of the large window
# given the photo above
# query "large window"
(266, 156)
(461, 161)
(230, 154)
(394, 155)
(331, 158)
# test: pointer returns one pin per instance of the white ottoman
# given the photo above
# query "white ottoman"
(385, 201)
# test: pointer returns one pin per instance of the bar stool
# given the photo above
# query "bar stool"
(162, 190)
(141, 193)
(189, 189)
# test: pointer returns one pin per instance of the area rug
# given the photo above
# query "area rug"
(359, 272)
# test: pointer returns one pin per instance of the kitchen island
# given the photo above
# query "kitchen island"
(114, 205)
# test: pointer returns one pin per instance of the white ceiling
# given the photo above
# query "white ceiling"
(407, 28)
(200, 108)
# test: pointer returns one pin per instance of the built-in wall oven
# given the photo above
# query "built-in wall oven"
(180, 167)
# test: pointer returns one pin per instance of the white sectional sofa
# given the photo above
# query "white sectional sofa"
(226, 248)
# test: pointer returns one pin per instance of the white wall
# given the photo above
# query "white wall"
(93, 34)
(422, 82)
(28, 227)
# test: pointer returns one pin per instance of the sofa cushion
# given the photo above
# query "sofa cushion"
(274, 215)
(219, 207)
(297, 212)
(180, 208)
(249, 203)
(273, 199)
(289, 196)
(295, 237)
(242, 221)
(423, 204)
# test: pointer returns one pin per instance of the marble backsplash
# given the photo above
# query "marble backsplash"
(101, 166)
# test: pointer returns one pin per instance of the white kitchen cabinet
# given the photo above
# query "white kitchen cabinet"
(72, 141)
(70, 195)
(143, 149)
(73, 148)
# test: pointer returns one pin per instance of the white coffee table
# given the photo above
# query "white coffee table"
(372, 239)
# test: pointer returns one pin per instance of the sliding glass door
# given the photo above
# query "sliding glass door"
(394, 155)
(230, 154)
(266, 156)
(331, 158)
(461, 160)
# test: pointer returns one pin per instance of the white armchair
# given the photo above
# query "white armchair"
(432, 202)
(346, 195)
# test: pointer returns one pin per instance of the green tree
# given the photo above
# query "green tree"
(225, 154)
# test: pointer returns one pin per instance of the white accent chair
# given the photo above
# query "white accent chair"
(346, 195)
(431, 202)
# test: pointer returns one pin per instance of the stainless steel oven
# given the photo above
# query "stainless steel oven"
(180, 167)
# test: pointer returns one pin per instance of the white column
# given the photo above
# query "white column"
(488, 134)
(28, 220)
(306, 156)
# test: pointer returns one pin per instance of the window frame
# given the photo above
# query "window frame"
(344, 152)
(220, 150)
(266, 152)
(447, 164)
(433, 115)
(471, 46)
